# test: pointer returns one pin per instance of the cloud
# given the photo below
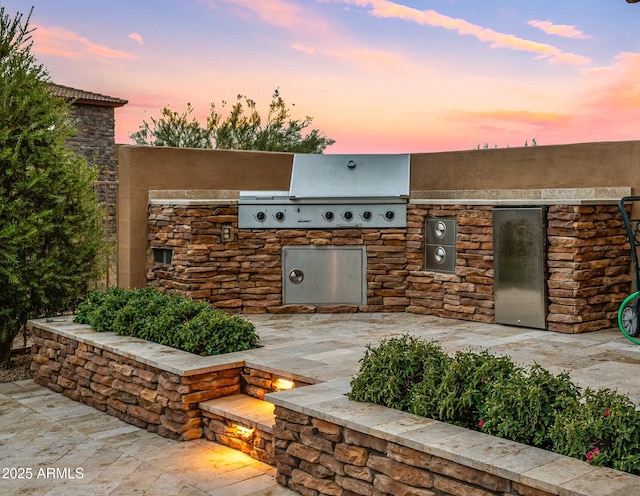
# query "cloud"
(602, 106)
(614, 89)
(303, 48)
(137, 38)
(563, 30)
(60, 42)
(320, 36)
(539, 119)
(386, 9)
(282, 13)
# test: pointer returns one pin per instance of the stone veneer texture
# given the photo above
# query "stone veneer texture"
(141, 395)
(315, 457)
(587, 259)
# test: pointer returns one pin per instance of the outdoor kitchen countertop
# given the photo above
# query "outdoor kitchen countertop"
(502, 197)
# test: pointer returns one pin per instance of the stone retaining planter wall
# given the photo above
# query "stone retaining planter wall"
(138, 394)
(326, 444)
(318, 457)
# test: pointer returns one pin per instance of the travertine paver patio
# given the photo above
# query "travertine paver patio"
(42, 429)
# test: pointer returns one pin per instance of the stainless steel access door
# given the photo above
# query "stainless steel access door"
(520, 282)
(324, 275)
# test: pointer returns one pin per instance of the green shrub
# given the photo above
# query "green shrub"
(457, 393)
(490, 393)
(524, 407)
(101, 308)
(389, 371)
(167, 319)
(603, 429)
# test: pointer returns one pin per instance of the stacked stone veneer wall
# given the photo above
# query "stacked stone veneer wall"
(258, 383)
(255, 442)
(258, 441)
(315, 457)
(588, 263)
(95, 141)
(144, 396)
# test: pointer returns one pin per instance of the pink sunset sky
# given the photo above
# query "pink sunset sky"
(377, 76)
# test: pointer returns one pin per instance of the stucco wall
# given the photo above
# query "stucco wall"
(142, 169)
(585, 165)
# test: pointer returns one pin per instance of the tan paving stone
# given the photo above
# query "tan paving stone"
(42, 429)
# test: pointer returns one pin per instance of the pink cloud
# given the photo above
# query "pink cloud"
(603, 104)
(614, 89)
(563, 30)
(60, 42)
(510, 116)
(303, 48)
(283, 13)
(387, 9)
(137, 38)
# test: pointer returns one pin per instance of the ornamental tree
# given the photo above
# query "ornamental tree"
(242, 128)
(50, 236)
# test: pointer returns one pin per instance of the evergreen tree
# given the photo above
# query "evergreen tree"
(50, 236)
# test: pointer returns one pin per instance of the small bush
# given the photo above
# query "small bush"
(485, 392)
(167, 319)
(389, 371)
(603, 429)
(524, 407)
(457, 393)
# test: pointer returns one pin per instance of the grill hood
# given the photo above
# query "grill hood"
(316, 176)
(333, 191)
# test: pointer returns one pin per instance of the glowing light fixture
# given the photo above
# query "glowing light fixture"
(244, 432)
(282, 384)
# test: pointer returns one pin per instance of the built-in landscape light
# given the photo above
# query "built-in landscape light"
(282, 384)
(244, 432)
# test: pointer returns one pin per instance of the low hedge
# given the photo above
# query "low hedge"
(167, 319)
(492, 394)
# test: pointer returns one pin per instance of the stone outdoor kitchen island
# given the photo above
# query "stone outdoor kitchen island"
(587, 259)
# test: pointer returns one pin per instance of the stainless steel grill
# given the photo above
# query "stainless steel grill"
(333, 191)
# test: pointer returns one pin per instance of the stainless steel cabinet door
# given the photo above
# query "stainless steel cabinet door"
(520, 281)
(324, 275)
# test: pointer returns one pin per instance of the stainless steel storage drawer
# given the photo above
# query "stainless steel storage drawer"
(324, 275)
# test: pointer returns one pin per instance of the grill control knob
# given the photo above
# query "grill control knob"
(440, 229)
(389, 214)
(261, 216)
(280, 216)
(440, 255)
(366, 215)
(328, 215)
(348, 215)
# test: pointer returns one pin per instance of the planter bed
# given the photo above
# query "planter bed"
(152, 386)
(328, 444)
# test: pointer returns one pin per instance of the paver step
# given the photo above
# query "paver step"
(243, 409)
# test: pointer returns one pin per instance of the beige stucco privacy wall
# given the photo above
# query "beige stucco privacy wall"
(142, 169)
